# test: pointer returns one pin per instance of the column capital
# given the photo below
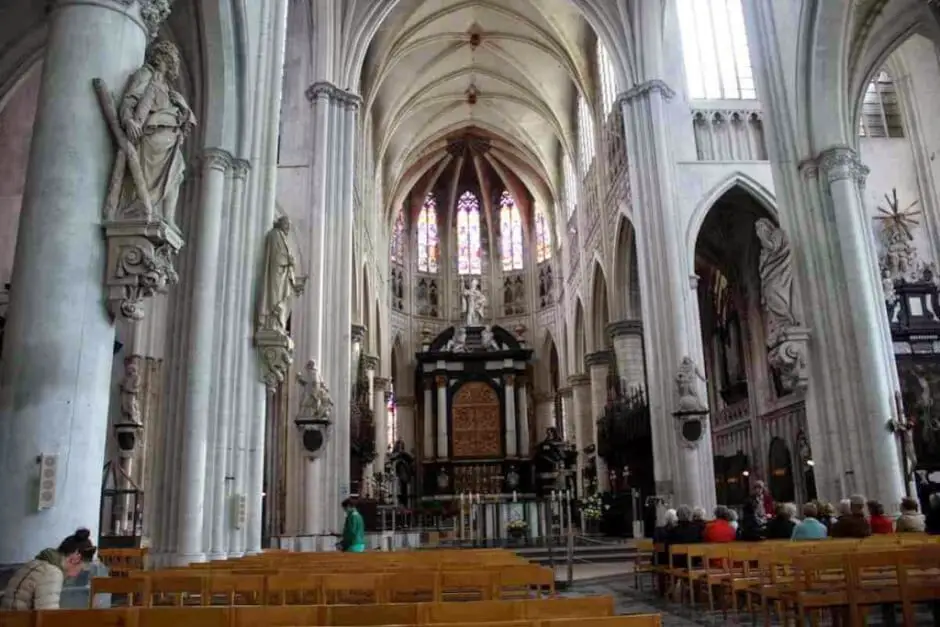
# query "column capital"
(578, 380)
(216, 159)
(597, 358)
(836, 164)
(441, 381)
(371, 362)
(380, 383)
(646, 88)
(240, 168)
(625, 327)
(566, 392)
(328, 91)
(357, 333)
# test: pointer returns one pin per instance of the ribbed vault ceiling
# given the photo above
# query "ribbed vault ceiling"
(509, 70)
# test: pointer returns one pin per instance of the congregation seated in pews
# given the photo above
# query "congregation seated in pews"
(492, 587)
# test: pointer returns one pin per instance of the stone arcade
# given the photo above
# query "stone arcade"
(259, 256)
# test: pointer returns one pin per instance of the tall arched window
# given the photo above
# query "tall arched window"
(543, 237)
(510, 233)
(468, 234)
(427, 236)
(571, 185)
(881, 111)
(714, 43)
(585, 135)
(398, 235)
(608, 79)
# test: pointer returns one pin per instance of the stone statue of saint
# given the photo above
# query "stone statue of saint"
(281, 283)
(474, 302)
(150, 124)
(686, 382)
(130, 392)
(488, 339)
(315, 404)
(776, 277)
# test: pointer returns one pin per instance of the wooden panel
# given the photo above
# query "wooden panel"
(477, 422)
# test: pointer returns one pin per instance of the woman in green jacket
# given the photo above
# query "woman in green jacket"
(354, 530)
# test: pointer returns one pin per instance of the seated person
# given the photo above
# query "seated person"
(910, 520)
(810, 528)
(720, 529)
(851, 522)
(877, 519)
(37, 585)
(780, 527)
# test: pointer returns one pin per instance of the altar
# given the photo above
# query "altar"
(476, 430)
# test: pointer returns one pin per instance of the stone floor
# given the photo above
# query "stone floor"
(629, 600)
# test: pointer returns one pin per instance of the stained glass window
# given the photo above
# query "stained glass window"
(427, 236)
(398, 233)
(571, 186)
(543, 237)
(605, 71)
(510, 233)
(585, 135)
(468, 235)
(714, 44)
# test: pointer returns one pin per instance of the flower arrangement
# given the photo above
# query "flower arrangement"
(592, 507)
(517, 524)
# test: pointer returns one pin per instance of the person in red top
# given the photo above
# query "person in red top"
(877, 519)
(720, 529)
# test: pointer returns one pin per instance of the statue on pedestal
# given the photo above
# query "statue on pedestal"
(130, 392)
(489, 340)
(458, 343)
(474, 302)
(149, 124)
(315, 401)
(686, 382)
(281, 283)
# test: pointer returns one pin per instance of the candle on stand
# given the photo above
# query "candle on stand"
(514, 499)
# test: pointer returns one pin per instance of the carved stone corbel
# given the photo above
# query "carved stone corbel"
(140, 264)
(787, 356)
(276, 351)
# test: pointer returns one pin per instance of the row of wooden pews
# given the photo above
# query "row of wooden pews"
(446, 588)
(845, 577)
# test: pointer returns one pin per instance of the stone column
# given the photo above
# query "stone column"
(671, 328)
(524, 436)
(371, 364)
(441, 381)
(407, 427)
(877, 470)
(429, 433)
(581, 414)
(58, 341)
(512, 449)
(598, 365)
(568, 428)
(627, 336)
(200, 374)
(544, 418)
(380, 413)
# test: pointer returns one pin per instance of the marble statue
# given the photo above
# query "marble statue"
(488, 339)
(150, 125)
(130, 392)
(315, 403)
(281, 283)
(776, 277)
(474, 302)
(458, 343)
(686, 383)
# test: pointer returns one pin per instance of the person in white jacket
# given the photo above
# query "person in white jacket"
(37, 585)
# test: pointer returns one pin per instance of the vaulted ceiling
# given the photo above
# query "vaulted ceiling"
(509, 69)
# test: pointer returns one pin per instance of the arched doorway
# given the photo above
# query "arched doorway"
(780, 472)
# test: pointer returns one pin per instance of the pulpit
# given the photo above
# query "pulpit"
(476, 431)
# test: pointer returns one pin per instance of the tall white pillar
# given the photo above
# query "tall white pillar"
(58, 343)
(544, 417)
(441, 381)
(429, 433)
(627, 337)
(524, 436)
(569, 427)
(581, 410)
(407, 428)
(512, 449)
(200, 375)
(380, 413)
(671, 328)
(598, 365)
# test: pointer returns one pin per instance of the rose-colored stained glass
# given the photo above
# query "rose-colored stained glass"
(543, 238)
(469, 259)
(427, 236)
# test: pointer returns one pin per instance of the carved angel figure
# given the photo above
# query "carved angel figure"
(153, 121)
(281, 283)
(474, 302)
(488, 339)
(776, 278)
(315, 404)
(130, 392)
(458, 343)
(686, 381)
